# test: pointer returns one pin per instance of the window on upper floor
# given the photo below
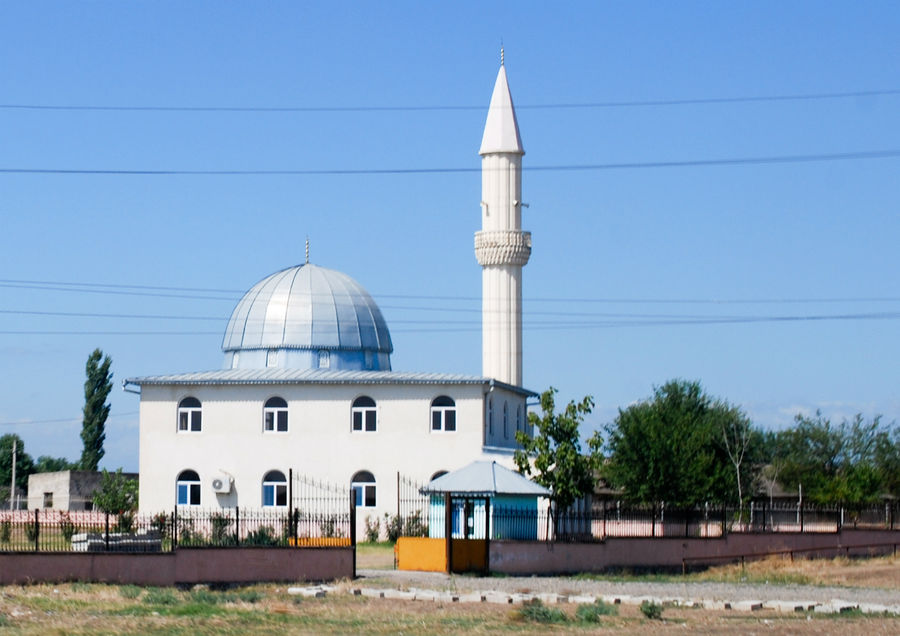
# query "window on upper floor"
(443, 414)
(505, 420)
(519, 425)
(187, 488)
(363, 414)
(275, 415)
(189, 415)
(363, 485)
(490, 417)
(324, 359)
(274, 489)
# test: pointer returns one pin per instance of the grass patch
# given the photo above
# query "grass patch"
(130, 591)
(595, 612)
(652, 610)
(161, 596)
(535, 611)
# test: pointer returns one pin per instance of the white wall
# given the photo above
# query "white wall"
(319, 442)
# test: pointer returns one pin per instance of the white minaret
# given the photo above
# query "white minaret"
(501, 247)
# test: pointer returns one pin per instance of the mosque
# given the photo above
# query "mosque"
(307, 386)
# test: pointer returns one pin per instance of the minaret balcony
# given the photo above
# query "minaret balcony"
(509, 247)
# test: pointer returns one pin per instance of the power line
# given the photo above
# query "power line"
(686, 163)
(64, 420)
(457, 107)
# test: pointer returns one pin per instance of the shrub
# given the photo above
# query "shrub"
(220, 529)
(31, 531)
(129, 591)
(373, 529)
(160, 596)
(393, 525)
(125, 522)
(415, 526)
(264, 535)
(160, 524)
(5, 530)
(66, 527)
(328, 528)
(537, 612)
(652, 610)
(594, 612)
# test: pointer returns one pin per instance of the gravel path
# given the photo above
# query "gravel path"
(729, 592)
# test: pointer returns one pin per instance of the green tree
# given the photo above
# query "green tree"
(47, 464)
(96, 410)
(554, 452)
(24, 464)
(837, 462)
(674, 448)
(117, 493)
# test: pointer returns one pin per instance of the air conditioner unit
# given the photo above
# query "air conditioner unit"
(221, 484)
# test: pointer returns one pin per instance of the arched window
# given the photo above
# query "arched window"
(272, 358)
(363, 414)
(274, 489)
(275, 415)
(189, 415)
(187, 488)
(505, 420)
(519, 426)
(324, 359)
(490, 417)
(363, 484)
(443, 414)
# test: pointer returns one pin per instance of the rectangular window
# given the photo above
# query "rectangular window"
(182, 494)
(370, 420)
(435, 420)
(188, 494)
(365, 496)
(195, 421)
(282, 421)
(48, 500)
(450, 420)
(183, 420)
(270, 421)
(370, 496)
(357, 420)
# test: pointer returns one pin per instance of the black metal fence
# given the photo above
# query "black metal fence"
(621, 519)
(70, 531)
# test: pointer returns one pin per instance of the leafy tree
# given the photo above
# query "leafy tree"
(674, 448)
(117, 493)
(96, 410)
(555, 450)
(47, 464)
(24, 464)
(837, 463)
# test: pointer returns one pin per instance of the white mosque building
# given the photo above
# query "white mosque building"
(307, 386)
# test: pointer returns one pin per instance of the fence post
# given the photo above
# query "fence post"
(174, 528)
(37, 531)
(653, 520)
(800, 508)
(106, 534)
(237, 525)
(687, 519)
(353, 527)
(724, 520)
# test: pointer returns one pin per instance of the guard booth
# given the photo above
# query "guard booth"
(468, 508)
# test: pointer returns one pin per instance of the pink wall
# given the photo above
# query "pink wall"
(209, 565)
(539, 557)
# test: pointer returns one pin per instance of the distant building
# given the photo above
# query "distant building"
(307, 386)
(65, 489)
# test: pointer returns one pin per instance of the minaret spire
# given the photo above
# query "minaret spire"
(501, 247)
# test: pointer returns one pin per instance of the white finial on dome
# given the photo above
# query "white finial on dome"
(307, 250)
(501, 54)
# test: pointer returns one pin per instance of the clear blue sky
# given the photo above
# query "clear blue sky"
(631, 268)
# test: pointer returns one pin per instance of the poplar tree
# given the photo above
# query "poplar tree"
(96, 410)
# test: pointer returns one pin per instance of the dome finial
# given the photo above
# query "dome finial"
(501, 53)
(307, 250)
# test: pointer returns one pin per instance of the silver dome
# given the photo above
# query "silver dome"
(307, 317)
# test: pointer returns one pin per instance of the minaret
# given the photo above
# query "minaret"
(501, 247)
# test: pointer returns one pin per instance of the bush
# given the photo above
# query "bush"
(66, 527)
(31, 531)
(415, 526)
(328, 528)
(537, 612)
(393, 525)
(595, 612)
(264, 535)
(160, 523)
(652, 610)
(125, 522)
(373, 529)
(220, 529)
(5, 530)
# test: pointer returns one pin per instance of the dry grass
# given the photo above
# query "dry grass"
(268, 609)
(881, 572)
